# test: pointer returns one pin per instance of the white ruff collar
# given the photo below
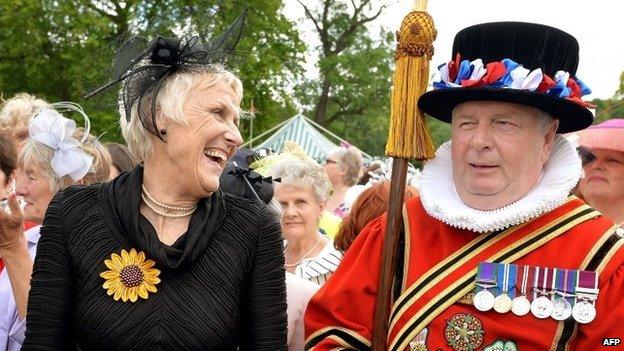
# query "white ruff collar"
(439, 198)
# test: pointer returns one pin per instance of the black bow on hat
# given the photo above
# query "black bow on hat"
(143, 66)
(246, 183)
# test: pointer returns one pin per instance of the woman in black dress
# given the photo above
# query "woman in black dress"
(160, 258)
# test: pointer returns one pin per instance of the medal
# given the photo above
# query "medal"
(584, 312)
(502, 302)
(484, 300)
(586, 292)
(541, 307)
(486, 278)
(562, 309)
(520, 305)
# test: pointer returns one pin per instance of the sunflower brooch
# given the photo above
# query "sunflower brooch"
(130, 276)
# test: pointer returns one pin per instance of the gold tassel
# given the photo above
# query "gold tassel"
(409, 136)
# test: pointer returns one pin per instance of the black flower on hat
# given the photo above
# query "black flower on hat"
(166, 52)
(142, 66)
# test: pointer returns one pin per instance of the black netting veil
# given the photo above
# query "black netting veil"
(142, 66)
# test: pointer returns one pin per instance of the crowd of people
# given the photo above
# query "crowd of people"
(511, 235)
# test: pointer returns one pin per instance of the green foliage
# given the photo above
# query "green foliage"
(608, 109)
(351, 96)
(59, 50)
(440, 131)
(620, 92)
(359, 102)
(611, 108)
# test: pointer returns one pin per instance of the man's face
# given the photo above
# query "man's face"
(498, 152)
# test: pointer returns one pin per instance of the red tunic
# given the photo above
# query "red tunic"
(340, 315)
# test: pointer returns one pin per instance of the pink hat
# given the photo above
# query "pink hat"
(606, 135)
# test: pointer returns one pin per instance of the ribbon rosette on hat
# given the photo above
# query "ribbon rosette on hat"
(510, 75)
(55, 131)
(130, 276)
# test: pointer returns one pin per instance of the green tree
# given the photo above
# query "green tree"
(352, 93)
(60, 49)
(611, 108)
(620, 92)
(608, 109)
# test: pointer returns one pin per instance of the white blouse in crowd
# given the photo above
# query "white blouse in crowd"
(318, 269)
(298, 293)
(12, 327)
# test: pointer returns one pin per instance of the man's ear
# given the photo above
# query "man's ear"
(549, 139)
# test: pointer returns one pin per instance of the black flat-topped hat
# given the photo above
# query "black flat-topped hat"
(524, 63)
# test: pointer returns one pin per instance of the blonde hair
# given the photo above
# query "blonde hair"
(302, 173)
(102, 161)
(19, 110)
(39, 155)
(170, 100)
(350, 160)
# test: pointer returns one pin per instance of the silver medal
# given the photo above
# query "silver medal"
(583, 312)
(542, 307)
(502, 303)
(520, 306)
(483, 300)
(562, 309)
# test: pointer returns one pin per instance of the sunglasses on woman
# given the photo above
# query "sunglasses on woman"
(586, 155)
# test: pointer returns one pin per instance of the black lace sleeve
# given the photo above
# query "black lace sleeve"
(48, 321)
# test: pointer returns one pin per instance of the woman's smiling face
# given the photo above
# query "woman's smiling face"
(200, 149)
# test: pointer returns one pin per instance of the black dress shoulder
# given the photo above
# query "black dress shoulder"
(222, 283)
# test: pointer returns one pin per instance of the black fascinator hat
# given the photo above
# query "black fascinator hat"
(524, 63)
(245, 183)
(142, 65)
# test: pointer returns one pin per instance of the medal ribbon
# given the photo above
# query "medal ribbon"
(513, 272)
(587, 285)
(547, 281)
(486, 275)
(536, 279)
(506, 278)
(559, 282)
(524, 280)
(570, 285)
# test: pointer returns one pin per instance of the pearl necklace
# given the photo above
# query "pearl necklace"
(170, 207)
(168, 215)
(289, 265)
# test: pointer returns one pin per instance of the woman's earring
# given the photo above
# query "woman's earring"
(163, 131)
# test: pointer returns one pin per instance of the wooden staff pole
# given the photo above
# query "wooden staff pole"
(408, 139)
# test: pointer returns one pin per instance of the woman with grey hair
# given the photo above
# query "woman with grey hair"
(53, 157)
(343, 166)
(16, 113)
(171, 263)
(302, 193)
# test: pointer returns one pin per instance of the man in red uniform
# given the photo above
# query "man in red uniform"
(497, 255)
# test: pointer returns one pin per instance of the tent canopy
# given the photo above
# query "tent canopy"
(303, 131)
